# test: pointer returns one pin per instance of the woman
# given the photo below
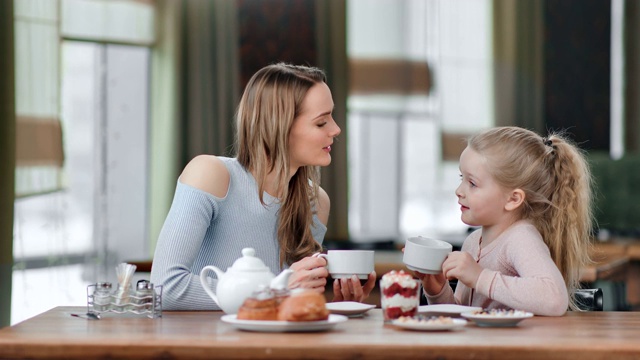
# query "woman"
(267, 197)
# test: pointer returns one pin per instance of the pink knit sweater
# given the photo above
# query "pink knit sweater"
(518, 274)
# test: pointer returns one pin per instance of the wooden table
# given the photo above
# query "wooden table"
(199, 335)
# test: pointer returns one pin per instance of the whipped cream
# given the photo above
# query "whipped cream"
(398, 277)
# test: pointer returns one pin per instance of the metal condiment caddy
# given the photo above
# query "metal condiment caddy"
(146, 299)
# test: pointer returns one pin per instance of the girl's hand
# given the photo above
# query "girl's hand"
(432, 284)
(309, 273)
(462, 266)
(351, 290)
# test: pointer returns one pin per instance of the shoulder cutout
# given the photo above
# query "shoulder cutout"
(207, 173)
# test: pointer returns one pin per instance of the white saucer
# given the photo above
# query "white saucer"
(284, 326)
(452, 310)
(497, 320)
(349, 308)
(423, 271)
(457, 323)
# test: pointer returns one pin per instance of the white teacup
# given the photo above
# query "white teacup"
(345, 263)
(425, 255)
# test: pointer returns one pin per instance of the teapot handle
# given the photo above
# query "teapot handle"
(205, 283)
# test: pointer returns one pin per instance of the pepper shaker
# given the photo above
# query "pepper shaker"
(145, 295)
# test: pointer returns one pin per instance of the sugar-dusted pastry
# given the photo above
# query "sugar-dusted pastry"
(303, 305)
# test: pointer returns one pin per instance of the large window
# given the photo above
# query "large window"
(69, 238)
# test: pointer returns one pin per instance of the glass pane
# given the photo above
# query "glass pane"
(38, 290)
(62, 222)
(51, 228)
(65, 240)
(98, 20)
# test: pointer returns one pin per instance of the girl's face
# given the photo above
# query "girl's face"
(482, 201)
(312, 132)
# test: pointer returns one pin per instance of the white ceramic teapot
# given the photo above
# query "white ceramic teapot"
(238, 283)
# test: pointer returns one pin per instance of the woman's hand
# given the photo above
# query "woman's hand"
(350, 289)
(309, 273)
(462, 266)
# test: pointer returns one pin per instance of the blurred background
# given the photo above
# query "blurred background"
(102, 103)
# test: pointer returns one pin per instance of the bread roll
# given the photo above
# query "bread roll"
(303, 306)
(255, 309)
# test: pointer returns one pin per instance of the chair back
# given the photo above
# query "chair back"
(589, 299)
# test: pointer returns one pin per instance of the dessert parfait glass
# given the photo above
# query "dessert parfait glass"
(400, 295)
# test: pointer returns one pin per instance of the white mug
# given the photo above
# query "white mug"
(345, 263)
(425, 255)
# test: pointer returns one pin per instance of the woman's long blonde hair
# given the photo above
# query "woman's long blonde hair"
(556, 179)
(271, 101)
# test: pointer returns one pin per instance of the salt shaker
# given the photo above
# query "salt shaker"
(144, 295)
(102, 296)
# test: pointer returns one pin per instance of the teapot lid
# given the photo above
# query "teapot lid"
(249, 262)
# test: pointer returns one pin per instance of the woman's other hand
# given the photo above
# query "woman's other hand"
(350, 289)
(309, 273)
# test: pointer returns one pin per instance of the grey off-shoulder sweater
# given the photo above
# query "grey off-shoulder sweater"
(202, 229)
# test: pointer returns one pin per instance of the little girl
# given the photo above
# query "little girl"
(532, 198)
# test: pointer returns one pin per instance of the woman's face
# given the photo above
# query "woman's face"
(313, 130)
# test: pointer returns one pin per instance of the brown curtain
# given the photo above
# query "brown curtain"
(164, 113)
(518, 52)
(194, 94)
(332, 57)
(7, 158)
(210, 77)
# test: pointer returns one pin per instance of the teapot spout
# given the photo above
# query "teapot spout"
(281, 281)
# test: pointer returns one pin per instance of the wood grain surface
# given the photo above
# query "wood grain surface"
(198, 335)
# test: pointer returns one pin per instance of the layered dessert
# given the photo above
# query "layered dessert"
(400, 295)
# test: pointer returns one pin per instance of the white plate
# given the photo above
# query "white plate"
(284, 326)
(349, 308)
(421, 270)
(497, 320)
(452, 310)
(457, 323)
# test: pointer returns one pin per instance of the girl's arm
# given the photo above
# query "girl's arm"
(538, 287)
